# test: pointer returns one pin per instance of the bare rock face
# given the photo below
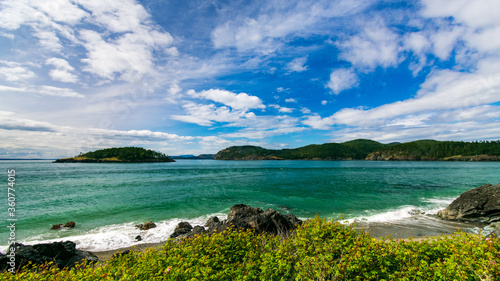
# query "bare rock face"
(481, 204)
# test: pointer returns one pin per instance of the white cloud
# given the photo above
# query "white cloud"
(291, 100)
(241, 101)
(342, 79)
(324, 102)
(58, 92)
(16, 73)
(63, 70)
(130, 55)
(207, 115)
(266, 33)
(305, 110)
(376, 46)
(297, 65)
(316, 122)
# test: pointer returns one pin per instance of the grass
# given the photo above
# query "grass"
(317, 250)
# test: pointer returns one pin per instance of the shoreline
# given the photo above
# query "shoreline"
(415, 228)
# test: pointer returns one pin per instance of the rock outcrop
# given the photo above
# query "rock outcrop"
(63, 254)
(70, 224)
(481, 204)
(145, 226)
(243, 217)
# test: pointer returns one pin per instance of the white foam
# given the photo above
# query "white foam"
(112, 237)
(390, 215)
(434, 205)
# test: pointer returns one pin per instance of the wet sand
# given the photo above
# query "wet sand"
(417, 227)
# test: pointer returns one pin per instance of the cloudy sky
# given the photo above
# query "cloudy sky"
(192, 77)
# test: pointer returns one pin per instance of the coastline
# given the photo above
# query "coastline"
(415, 228)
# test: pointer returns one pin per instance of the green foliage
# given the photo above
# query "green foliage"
(361, 148)
(356, 149)
(317, 250)
(125, 154)
(441, 149)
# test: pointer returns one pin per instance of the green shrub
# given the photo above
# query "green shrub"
(317, 250)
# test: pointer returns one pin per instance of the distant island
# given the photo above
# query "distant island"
(193, 157)
(118, 155)
(362, 149)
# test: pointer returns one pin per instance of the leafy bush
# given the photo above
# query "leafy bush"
(317, 250)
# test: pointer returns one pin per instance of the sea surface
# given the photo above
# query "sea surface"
(107, 200)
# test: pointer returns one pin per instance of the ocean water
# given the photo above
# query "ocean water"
(107, 200)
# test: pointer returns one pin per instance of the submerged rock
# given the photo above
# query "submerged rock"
(70, 224)
(63, 254)
(56, 226)
(147, 225)
(481, 204)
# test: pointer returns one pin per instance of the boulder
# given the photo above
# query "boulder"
(481, 204)
(63, 254)
(182, 228)
(56, 226)
(213, 222)
(243, 217)
(145, 226)
(69, 224)
(138, 238)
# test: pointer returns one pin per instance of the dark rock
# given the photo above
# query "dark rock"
(145, 226)
(182, 228)
(196, 231)
(69, 224)
(63, 254)
(138, 238)
(481, 204)
(213, 222)
(56, 226)
(245, 217)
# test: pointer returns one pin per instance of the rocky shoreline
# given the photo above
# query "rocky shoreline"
(478, 209)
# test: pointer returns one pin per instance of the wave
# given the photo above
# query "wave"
(117, 236)
(431, 206)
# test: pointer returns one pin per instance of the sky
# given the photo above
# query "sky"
(192, 77)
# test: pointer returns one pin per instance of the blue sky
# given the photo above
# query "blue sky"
(192, 77)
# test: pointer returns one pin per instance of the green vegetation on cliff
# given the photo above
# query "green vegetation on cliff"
(317, 250)
(372, 150)
(356, 149)
(118, 154)
(439, 150)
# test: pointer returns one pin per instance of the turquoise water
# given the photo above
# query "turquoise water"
(106, 200)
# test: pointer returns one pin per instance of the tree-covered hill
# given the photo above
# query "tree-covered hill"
(372, 150)
(440, 150)
(118, 155)
(356, 149)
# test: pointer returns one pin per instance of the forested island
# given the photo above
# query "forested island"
(118, 155)
(362, 149)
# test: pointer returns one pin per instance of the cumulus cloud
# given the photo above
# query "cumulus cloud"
(241, 101)
(207, 115)
(376, 46)
(342, 79)
(297, 65)
(16, 73)
(63, 70)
